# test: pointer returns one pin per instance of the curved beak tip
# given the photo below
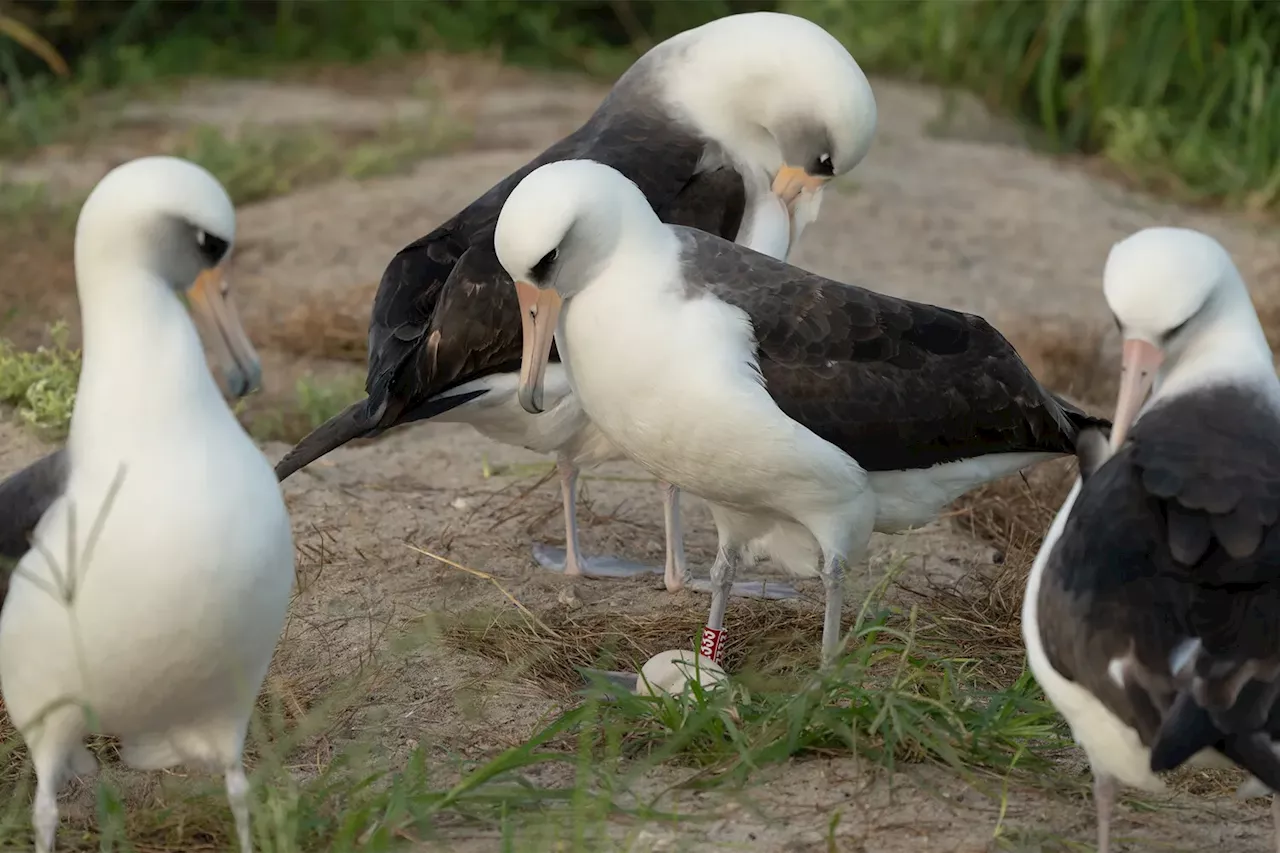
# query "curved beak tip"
(219, 324)
(244, 380)
(539, 314)
(531, 401)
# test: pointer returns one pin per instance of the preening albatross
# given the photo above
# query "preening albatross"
(807, 412)
(1152, 615)
(733, 128)
(151, 599)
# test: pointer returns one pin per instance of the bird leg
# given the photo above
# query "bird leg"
(44, 812)
(832, 580)
(676, 575)
(570, 560)
(677, 571)
(56, 746)
(722, 572)
(238, 798)
(569, 494)
(1104, 797)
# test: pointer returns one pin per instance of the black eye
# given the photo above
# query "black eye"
(214, 249)
(824, 166)
(542, 268)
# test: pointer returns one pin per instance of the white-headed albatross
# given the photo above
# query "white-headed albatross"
(159, 575)
(733, 127)
(1152, 615)
(807, 412)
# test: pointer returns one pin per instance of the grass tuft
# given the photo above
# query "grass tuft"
(904, 690)
(314, 402)
(41, 385)
(259, 163)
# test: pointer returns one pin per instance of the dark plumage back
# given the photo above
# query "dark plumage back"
(896, 384)
(24, 499)
(446, 313)
(1170, 563)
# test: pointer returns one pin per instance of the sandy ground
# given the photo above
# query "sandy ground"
(949, 207)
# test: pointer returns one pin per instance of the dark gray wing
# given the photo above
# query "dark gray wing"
(1175, 539)
(446, 313)
(895, 384)
(24, 499)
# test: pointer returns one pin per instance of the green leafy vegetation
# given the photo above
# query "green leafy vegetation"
(260, 163)
(1180, 96)
(314, 402)
(41, 385)
(893, 698)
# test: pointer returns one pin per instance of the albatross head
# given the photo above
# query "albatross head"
(558, 228)
(1181, 306)
(777, 94)
(164, 221)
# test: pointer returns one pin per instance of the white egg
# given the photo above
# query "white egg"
(671, 672)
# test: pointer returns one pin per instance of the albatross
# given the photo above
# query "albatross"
(158, 575)
(807, 412)
(1152, 613)
(733, 127)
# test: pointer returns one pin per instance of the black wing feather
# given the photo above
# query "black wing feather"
(446, 313)
(24, 499)
(1175, 539)
(895, 384)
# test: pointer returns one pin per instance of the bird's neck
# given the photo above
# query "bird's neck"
(1231, 348)
(143, 370)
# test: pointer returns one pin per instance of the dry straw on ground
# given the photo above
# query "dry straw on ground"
(562, 642)
(336, 327)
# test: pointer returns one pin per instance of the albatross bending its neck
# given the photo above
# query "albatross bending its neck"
(159, 574)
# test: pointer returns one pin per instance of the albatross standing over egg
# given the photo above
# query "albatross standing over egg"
(158, 577)
(1152, 614)
(733, 127)
(807, 412)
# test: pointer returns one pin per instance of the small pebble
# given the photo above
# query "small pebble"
(569, 598)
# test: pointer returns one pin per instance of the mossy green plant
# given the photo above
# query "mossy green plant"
(41, 384)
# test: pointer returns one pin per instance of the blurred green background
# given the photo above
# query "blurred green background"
(1181, 96)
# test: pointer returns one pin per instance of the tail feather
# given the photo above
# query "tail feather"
(1079, 418)
(1186, 730)
(1189, 728)
(345, 426)
(1255, 754)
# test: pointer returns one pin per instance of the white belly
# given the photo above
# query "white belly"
(678, 395)
(179, 604)
(908, 499)
(681, 401)
(1112, 746)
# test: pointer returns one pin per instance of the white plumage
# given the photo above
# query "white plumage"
(1189, 327)
(179, 585)
(669, 373)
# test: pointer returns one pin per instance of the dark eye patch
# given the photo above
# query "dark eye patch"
(212, 248)
(824, 166)
(1167, 336)
(542, 268)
